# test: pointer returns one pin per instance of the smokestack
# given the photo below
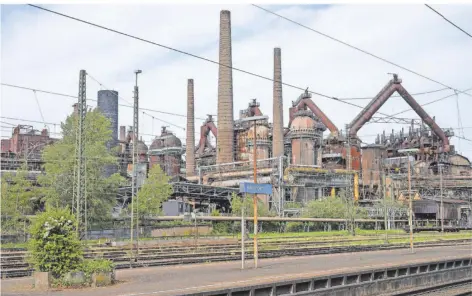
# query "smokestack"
(278, 126)
(122, 133)
(225, 145)
(190, 145)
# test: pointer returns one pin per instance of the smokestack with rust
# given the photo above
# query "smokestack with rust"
(278, 126)
(225, 145)
(190, 145)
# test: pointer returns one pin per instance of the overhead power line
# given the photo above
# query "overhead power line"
(357, 48)
(429, 103)
(438, 13)
(190, 54)
(397, 96)
(75, 97)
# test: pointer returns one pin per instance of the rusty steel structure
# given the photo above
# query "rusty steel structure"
(300, 159)
(166, 151)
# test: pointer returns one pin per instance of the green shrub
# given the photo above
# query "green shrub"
(221, 227)
(294, 227)
(54, 245)
(91, 266)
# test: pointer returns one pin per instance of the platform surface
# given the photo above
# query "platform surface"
(182, 279)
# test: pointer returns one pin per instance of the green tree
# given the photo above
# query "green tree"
(325, 208)
(17, 200)
(237, 203)
(340, 207)
(54, 245)
(155, 190)
(60, 167)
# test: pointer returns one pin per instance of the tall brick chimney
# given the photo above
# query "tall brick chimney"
(278, 125)
(190, 145)
(225, 145)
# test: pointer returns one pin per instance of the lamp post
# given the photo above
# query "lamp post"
(254, 119)
(410, 203)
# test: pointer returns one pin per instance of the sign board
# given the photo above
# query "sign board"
(254, 188)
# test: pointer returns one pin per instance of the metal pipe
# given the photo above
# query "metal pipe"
(423, 115)
(317, 111)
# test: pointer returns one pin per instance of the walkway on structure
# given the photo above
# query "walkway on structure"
(183, 279)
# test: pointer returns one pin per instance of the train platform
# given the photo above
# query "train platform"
(185, 279)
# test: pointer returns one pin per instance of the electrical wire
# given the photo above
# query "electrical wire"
(397, 96)
(191, 55)
(438, 13)
(356, 48)
(94, 100)
(429, 103)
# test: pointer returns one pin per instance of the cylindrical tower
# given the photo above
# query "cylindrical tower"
(225, 145)
(262, 141)
(107, 103)
(306, 134)
(278, 125)
(190, 145)
(166, 151)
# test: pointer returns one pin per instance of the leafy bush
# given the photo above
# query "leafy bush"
(221, 227)
(91, 266)
(54, 245)
(294, 227)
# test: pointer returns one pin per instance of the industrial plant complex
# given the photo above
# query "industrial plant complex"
(300, 152)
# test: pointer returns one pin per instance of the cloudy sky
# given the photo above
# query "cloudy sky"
(45, 51)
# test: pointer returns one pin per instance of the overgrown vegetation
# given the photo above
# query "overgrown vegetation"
(54, 245)
(237, 204)
(91, 266)
(18, 198)
(58, 181)
(155, 190)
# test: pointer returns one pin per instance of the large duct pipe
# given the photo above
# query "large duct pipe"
(278, 125)
(225, 145)
(190, 145)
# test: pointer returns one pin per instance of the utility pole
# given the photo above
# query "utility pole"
(441, 189)
(134, 153)
(254, 159)
(410, 199)
(243, 232)
(410, 204)
(384, 191)
(80, 149)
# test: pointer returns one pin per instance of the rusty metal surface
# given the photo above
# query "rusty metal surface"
(372, 159)
(395, 85)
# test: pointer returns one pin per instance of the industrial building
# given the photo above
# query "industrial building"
(305, 156)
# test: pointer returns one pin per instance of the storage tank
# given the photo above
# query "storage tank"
(306, 135)
(107, 103)
(166, 151)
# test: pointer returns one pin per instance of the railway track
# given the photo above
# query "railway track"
(15, 265)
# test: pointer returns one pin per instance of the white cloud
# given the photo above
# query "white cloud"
(45, 51)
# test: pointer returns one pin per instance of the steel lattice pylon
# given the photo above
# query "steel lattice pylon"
(79, 193)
